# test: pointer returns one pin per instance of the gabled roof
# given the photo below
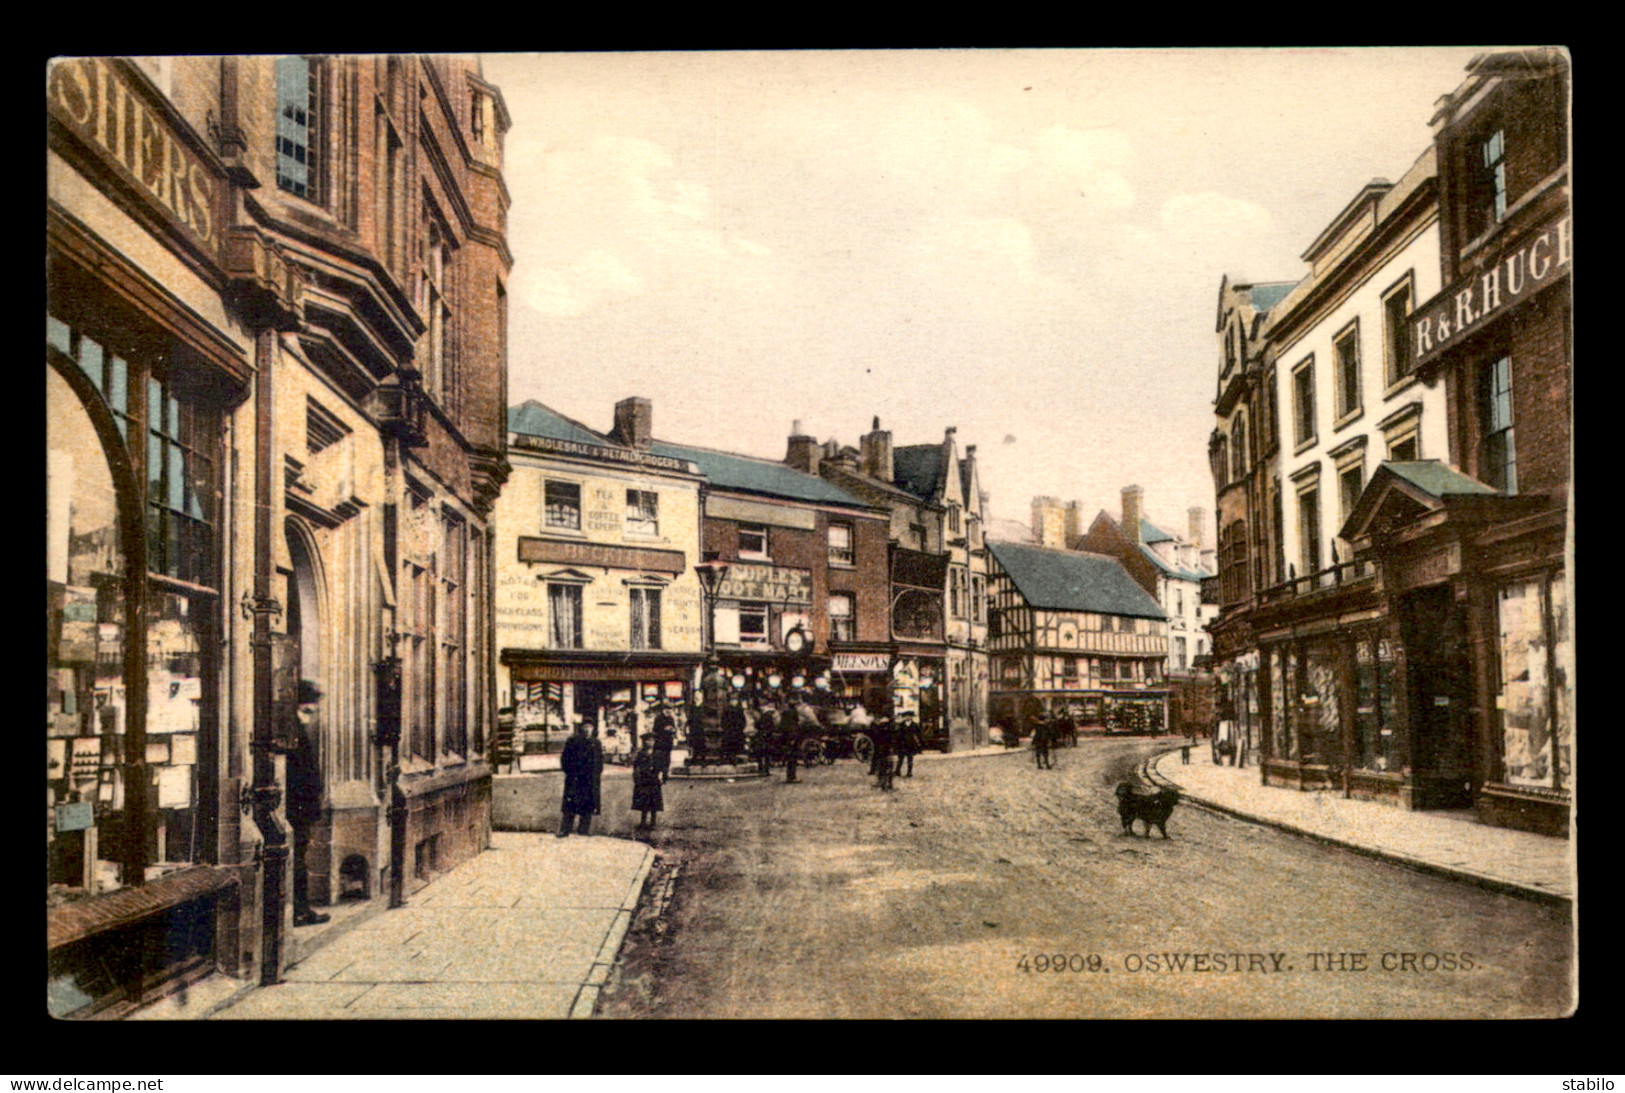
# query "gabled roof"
(749, 474)
(1151, 533)
(1420, 485)
(1068, 580)
(917, 469)
(1178, 572)
(533, 419)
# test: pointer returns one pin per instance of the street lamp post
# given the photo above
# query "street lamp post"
(711, 572)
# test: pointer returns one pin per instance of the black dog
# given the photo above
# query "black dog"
(1153, 808)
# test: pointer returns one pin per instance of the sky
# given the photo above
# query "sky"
(1026, 245)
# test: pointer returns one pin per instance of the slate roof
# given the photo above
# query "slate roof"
(749, 474)
(1177, 571)
(534, 419)
(1266, 296)
(917, 468)
(1151, 533)
(1433, 477)
(1067, 580)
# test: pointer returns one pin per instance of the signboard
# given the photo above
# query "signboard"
(861, 662)
(138, 135)
(749, 581)
(1468, 304)
(602, 453)
(648, 559)
(75, 816)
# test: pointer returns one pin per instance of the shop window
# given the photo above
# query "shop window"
(1377, 680)
(563, 505)
(1497, 450)
(564, 615)
(753, 542)
(172, 446)
(298, 126)
(1346, 355)
(1303, 402)
(1536, 663)
(645, 618)
(1396, 329)
(842, 617)
(86, 625)
(642, 512)
(840, 544)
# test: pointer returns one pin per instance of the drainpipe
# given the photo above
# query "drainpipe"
(266, 793)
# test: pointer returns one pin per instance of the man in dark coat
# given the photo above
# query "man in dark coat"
(665, 738)
(764, 739)
(304, 806)
(908, 746)
(581, 765)
(647, 796)
(733, 732)
(885, 749)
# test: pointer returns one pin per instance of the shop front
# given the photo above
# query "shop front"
(618, 697)
(1474, 676)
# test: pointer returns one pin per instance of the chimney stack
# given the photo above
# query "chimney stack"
(876, 454)
(634, 422)
(1074, 524)
(803, 452)
(1132, 496)
(1049, 528)
(1198, 517)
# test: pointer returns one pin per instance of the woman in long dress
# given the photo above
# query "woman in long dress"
(647, 796)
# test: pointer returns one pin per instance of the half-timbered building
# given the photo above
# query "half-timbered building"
(1071, 632)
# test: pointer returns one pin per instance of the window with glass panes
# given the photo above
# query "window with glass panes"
(642, 512)
(562, 505)
(1303, 401)
(172, 438)
(842, 617)
(454, 633)
(840, 544)
(645, 606)
(298, 132)
(1309, 530)
(752, 541)
(1497, 451)
(564, 615)
(1396, 328)
(1346, 351)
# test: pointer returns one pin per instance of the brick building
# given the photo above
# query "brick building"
(803, 601)
(1416, 646)
(275, 363)
(939, 566)
(1476, 556)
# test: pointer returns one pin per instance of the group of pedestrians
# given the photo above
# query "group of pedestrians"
(582, 762)
(894, 750)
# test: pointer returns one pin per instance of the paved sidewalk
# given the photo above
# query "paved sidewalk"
(527, 929)
(1447, 844)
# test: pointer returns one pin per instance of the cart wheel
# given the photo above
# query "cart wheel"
(812, 751)
(863, 748)
(828, 749)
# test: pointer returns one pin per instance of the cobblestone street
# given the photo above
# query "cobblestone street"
(831, 899)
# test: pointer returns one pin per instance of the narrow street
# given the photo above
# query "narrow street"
(957, 895)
